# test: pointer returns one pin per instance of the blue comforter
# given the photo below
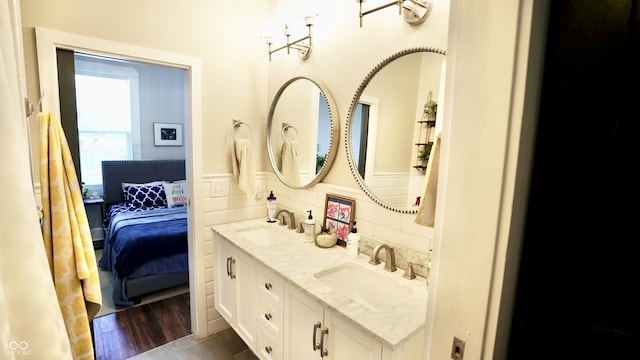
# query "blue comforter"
(135, 238)
(141, 243)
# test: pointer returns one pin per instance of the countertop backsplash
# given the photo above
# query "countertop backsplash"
(403, 256)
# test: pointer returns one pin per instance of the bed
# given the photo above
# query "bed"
(145, 242)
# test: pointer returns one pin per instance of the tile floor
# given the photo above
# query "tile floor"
(225, 345)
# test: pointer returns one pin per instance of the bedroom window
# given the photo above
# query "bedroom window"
(106, 103)
(108, 108)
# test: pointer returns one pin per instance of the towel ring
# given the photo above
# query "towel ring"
(236, 124)
(285, 130)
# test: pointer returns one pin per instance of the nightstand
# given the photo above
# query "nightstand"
(95, 214)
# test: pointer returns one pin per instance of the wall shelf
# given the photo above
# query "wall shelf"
(424, 142)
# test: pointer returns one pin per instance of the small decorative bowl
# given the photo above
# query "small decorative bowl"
(326, 240)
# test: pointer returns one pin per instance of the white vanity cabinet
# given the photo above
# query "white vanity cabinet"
(265, 287)
(235, 288)
(313, 332)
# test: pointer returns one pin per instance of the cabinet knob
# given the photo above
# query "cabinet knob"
(268, 286)
(268, 349)
(267, 316)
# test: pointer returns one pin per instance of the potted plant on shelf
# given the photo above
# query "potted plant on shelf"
(430, 107)
(423, 157)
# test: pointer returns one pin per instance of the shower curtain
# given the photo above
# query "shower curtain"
(31, 324)
(67, 237)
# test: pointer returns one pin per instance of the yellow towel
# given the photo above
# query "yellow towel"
(289, 162)
(243, 168)
(67, 238)
(427, 211)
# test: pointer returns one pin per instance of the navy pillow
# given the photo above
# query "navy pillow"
(145, 195)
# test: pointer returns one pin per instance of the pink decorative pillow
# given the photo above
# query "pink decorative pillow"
(176, 192)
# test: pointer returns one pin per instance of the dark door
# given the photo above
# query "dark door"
(575, 289)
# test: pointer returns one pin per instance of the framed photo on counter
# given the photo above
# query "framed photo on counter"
(339, 212)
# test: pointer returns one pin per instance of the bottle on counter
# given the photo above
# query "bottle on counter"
(271, 207)
(353, 243)
(309, 228)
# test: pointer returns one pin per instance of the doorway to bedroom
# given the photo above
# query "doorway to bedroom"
(128, 65)
(109, 109)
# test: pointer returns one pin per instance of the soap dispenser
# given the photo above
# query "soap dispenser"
(309, 228)
(353, 242)
(271, 208)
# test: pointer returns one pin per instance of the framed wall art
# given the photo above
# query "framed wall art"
(339, 212)
(165, 134)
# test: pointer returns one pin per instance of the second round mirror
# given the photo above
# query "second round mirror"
(386, 132)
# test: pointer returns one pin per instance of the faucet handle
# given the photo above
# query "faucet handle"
(409, 273)
(373, 260)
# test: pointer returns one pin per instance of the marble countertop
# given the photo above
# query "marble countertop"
(297, 262)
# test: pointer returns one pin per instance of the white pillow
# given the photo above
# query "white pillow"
(176, 192)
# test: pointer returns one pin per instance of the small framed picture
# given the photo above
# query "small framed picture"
(165, 134)
(339, 213)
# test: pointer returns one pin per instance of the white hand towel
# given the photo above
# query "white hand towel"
(289, 159)
(243, 168)
(427, 211)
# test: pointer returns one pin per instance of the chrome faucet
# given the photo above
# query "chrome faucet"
(292, 220)
(390, 258)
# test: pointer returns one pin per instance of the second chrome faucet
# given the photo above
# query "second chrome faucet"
(390, 257)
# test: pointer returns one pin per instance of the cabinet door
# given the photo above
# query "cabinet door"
(235, 289)
(224, 283)
(301, 316)
(246, 297)
(347, 342)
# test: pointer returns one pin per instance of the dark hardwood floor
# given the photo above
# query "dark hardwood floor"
(123, 334)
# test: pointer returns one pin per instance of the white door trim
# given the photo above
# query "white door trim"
(48, 41)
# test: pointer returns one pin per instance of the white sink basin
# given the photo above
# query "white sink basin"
(263, 236)
(367, 287)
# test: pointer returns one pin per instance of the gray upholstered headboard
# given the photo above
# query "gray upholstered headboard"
(115, 172)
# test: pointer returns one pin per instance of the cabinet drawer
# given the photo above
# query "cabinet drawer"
(269, 348)
(271, 318)
(271, 286)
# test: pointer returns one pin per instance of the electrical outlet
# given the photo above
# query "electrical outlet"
(219, 189)
(457, 349)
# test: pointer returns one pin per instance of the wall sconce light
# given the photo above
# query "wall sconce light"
(414, 12)
(302, 45)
